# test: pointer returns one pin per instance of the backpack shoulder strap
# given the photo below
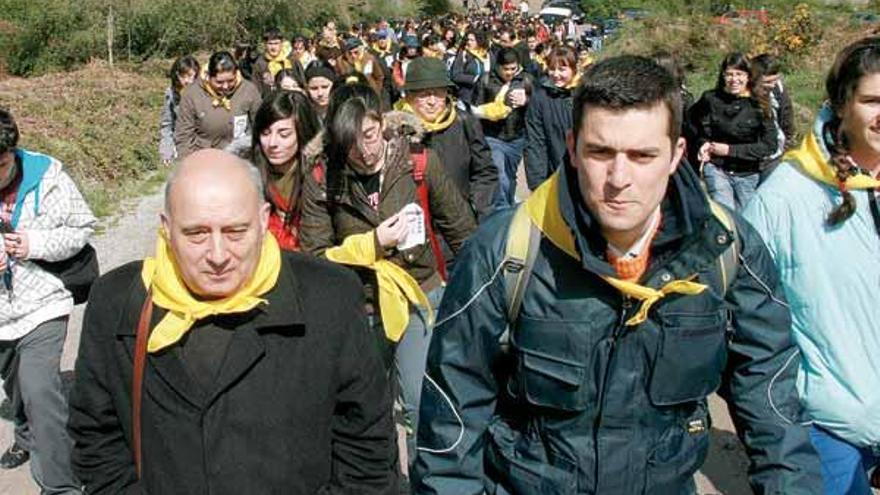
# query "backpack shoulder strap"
(419, 158)
(728, 261)
(137, 379)
(523, 240)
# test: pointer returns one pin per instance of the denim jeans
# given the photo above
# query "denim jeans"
(733, 191)
(506, 156)
(844, 466)
(410, 356)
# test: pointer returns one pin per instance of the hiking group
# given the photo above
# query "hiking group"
(348, 293)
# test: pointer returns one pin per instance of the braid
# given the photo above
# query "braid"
(843, 170)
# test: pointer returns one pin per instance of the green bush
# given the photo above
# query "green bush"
(37, 36)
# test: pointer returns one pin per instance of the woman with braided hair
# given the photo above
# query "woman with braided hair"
(819, 214)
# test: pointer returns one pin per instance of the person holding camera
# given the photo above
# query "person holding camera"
(44, 219)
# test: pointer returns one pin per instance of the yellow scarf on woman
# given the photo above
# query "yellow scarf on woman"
(443, 121)
(397, 289)
(810, 157)
(161, 275)
(217, 100)
(543, 209)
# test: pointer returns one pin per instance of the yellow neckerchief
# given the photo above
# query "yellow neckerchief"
(541, 61)
(444, 120)
(430, 52)
(280, 61)
(217, 100)
(810, 157)
(575, 81)
(396, 287)
(496, 109)
(544, 212)
(382, 53)
(480, 53)
(162, 276)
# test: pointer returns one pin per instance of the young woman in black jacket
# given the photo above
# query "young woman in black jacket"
(548, 117)
(735, 133)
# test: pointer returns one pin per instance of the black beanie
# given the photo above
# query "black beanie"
(319, 68)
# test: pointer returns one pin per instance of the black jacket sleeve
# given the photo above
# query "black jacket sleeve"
(786, 119)
(102, 458)
(536, 159)
(699, 118)
(449, 210)
(364, 438)
(483, 174)
(759, 383)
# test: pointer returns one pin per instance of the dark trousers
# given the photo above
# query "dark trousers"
(30, 368)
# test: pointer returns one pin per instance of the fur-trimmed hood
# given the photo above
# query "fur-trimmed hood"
(399, 126)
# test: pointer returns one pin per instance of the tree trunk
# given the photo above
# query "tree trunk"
(110, 35)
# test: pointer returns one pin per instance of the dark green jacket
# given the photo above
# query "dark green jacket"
(585, 405)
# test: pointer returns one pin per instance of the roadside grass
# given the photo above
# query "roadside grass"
(101, 123)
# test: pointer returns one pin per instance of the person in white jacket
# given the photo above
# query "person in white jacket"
(45, 218)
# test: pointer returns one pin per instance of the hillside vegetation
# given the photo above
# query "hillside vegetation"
(44, 35)
(101, 123)
(806, 36)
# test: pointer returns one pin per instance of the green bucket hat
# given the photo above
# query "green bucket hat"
(426, 73)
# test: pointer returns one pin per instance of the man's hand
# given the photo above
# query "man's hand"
(4, 260)
(392, 231)
(16, 244)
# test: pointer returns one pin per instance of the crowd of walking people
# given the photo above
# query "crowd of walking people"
(351, 293)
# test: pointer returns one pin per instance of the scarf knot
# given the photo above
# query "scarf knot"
(397, 289)
(162, 277)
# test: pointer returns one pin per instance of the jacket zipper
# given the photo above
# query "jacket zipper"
(625, 306)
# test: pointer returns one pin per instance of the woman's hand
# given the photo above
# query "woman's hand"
(392, 231)
(704, 154)
(720, 149)
(17, 244)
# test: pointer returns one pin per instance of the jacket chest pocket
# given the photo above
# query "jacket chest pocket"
(690, 357)
(552, 364)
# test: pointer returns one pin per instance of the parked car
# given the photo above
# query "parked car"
(742, 16)
(557, 14)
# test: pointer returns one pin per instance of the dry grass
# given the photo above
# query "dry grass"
(101, 123)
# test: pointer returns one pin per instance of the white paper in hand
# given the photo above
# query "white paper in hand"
(415, 226)
(239, 126)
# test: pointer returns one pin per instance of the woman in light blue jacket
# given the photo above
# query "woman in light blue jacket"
(819, 214)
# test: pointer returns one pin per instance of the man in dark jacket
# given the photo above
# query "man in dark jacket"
(504, 95)
(456, 137)
(621, 333)
(260, 375)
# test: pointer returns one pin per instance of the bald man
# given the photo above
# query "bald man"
(259, 375)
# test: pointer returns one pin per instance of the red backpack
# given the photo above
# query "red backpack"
(420, 168)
